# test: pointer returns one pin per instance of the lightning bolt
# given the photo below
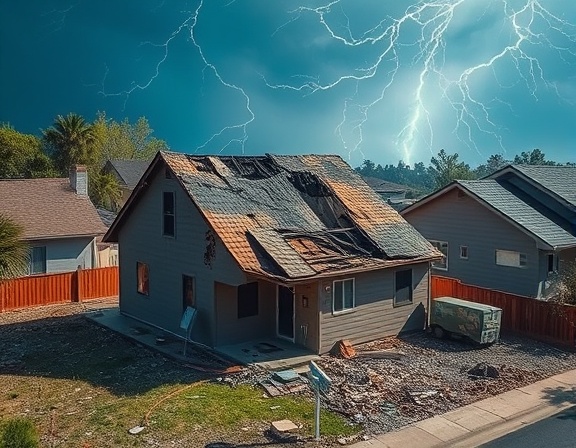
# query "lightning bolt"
(523, 23)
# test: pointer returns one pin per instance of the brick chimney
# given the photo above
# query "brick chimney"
(79, 180)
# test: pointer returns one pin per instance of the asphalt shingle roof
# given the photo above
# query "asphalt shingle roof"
(49, 208)
(505, 202)
(130, 171)
(561, 180)
(276, 213)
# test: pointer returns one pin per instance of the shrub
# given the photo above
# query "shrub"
(19, 433)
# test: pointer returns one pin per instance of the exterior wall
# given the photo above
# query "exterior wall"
(168, 258)
(232, 330)
(65, 255)
(462, 221)
(566, 256)
(374, 315)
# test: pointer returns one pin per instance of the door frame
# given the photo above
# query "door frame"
(293, 338)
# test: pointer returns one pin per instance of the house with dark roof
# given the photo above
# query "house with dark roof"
(291, 247)
(127, 173)
(59, 220)
(510, 231)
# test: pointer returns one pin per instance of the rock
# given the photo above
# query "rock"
(136, 430)
(483, 370)
(283, 426)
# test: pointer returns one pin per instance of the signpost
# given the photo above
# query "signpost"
(186, 323)
(320, 383)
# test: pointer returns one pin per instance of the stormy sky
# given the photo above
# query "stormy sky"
(378, 79)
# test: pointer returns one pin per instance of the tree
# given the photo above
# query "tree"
(493, 164)
(22, 156)
(71, 141)
(446, 168)
(104, 190)
(564, 285)
(14, 251)
(126, 141)
(534, 157)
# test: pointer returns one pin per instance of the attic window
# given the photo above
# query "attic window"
(168, 214)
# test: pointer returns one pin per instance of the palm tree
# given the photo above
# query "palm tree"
(14, 251)
(71, 140)
(105, 191)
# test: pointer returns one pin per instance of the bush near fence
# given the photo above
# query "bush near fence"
(48, 289)
(526, 316)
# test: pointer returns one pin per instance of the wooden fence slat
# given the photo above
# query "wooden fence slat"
(523, 315)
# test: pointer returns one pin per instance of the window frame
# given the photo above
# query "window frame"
(253, 309)
(188, 302)
(169, 214)
(410, 301)
(42, 260)
(464, 252)
(143, 281)
(438, 245)
(521, 263)
(344, 308)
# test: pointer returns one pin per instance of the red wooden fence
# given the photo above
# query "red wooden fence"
(67, 287)
(523, 315)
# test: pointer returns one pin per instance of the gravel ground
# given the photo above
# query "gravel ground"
(432, 377)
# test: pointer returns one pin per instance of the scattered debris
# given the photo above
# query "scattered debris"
(345, 349)
(136, 430)
(483, 370)
(282, 426)
(381, 354)
(283, 383)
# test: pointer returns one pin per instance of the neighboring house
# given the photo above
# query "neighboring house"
(393, 194)
(60, 223)
(511, 231)
(296, 247)
(107, 252)
(127, 173)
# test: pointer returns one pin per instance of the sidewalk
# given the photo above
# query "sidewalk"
(485, 420)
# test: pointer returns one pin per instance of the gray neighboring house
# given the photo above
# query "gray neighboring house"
(510, 231)
(127, 173)
(290, 247)
(60, 222)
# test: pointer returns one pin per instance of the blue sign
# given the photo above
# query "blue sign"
(318, 378)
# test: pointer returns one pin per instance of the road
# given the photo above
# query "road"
(556, 431)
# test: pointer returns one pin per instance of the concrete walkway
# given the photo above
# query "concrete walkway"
(486, 420)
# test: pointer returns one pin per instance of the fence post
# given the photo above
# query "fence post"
(75, 286)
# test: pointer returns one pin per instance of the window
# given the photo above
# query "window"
(248, 300)
(403, 285)
(551, 264)
(38, 260)
(142, 278)
(343, 295)
(511, 258)
(188, 298)
(168, 214)
(442, 246)
(464, 252)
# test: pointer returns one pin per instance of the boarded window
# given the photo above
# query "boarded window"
(142, 278)
(343, 295)
(168, 214)
(510, 258)
(38, 260)
(248, 300)
(442, 246)
(403, 287)
(188, 297)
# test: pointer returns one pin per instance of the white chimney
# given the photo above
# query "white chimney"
(79, 180)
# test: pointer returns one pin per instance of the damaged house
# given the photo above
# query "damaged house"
(291, 247)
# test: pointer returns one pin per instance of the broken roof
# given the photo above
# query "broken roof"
(49, 208)
(294, 217)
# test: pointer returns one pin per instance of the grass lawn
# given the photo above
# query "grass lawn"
(84, 386)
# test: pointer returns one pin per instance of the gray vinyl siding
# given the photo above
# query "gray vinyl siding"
(141, 240)
(231, 329)
(374, 315)
(462, 221)
(67, 254)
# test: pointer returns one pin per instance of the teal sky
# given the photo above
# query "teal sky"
(378, 79)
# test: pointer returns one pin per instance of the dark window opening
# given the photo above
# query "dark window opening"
(248, 300)
(142, 276)
(403, 287)
(551, 263)
(168, 213)
(188, 297)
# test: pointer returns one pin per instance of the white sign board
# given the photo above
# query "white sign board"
(318, 378)
(187, 317)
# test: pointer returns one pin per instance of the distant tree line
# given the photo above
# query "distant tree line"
(444, 168)
(71, 140)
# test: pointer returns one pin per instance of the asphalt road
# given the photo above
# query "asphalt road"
(556, 431)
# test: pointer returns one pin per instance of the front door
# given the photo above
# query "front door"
(285, 315)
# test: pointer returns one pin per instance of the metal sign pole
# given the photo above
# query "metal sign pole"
(317, 414)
